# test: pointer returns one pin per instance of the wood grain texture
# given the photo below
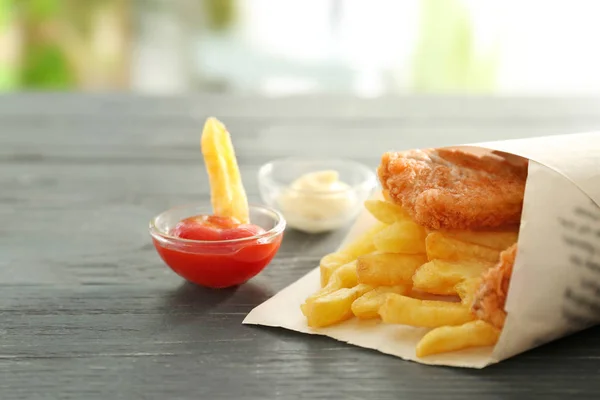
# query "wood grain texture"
(88, 311)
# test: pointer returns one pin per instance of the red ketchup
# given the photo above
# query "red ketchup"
(218, 252)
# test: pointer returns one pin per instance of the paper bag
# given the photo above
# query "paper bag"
(555, 285)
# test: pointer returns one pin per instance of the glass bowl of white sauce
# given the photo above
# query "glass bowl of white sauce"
(316, 195)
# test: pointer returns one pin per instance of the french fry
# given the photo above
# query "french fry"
(333, 307)
(330, 263)
(399, 309)
(450, 249)
(386, 212)
(388, 269)
(452, 338)
(364, 243)
(441, 277)
(367, 306)
(466, 290)
(499, 240)
(343, 277)
(401, 237)
(228, 196)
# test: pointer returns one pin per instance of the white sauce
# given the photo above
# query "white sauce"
(318, 202)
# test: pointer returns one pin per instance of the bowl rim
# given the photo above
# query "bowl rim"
(369, 183)
(271, 233)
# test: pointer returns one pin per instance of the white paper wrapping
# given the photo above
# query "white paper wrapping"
(555, 286)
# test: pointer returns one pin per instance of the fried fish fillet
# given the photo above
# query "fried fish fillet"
(490, 298)
(455, 189)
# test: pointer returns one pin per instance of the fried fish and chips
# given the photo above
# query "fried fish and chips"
(440, 256)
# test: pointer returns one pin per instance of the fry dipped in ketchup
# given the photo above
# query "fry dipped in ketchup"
(230, 219)
(222, 248)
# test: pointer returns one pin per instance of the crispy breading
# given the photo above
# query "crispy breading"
(455, 189)
(490, 297)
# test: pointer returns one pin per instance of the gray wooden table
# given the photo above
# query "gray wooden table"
(88, 311)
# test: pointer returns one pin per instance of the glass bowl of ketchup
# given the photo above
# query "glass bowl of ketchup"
(213, 251)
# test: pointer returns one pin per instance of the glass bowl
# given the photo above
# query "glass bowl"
(311, 208)
(219, 263)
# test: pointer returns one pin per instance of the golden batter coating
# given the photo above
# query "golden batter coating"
(490, 298)
(455, 189)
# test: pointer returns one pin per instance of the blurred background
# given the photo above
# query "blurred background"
(289, 47)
